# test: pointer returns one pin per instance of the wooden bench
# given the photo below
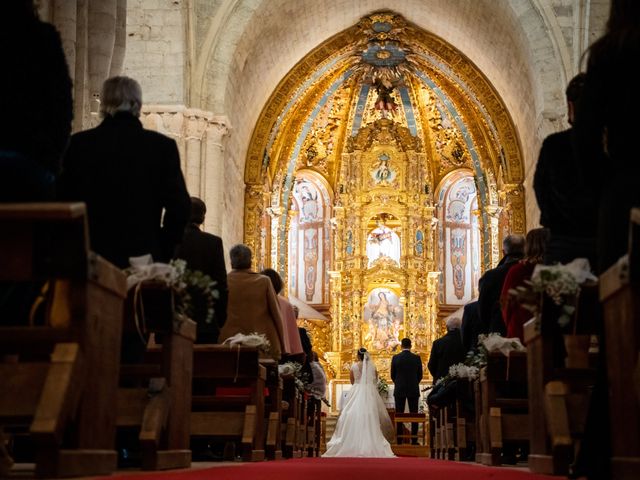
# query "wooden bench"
(558, 395)
(161, 406)
(291, 419)
(239, 415)
(503, 418)
(273, 410)
(620, 295)
(453, 426)
(62, 380)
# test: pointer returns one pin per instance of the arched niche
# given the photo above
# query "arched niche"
(309, 239)
(459, 238)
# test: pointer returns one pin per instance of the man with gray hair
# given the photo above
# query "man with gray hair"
(447, 350)
(252, 306)
(492, 282)
(130, 179)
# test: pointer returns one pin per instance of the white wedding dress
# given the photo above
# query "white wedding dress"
(364, 422)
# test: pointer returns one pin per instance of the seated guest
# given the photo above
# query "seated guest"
(513, 313)
(253, 305)
(567, 207)
(130, 179)
(446, 351)
(492, 281)
(292, 344)
(204, 252)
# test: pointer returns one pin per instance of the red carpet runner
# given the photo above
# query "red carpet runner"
(346, 469)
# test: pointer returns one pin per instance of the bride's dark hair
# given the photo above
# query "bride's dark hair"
(361, 353)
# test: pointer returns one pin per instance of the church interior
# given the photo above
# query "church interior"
(380, 157)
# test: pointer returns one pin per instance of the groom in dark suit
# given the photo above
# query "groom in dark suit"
(406, 374)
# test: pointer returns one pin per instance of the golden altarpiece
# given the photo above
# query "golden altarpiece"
(381, 177)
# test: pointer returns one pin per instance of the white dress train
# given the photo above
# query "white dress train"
(364, 422)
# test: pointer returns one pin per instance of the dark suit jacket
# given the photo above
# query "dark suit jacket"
(128, 177)
(471, 326)
(489, 297)
(204, 252)
(566, 207)
(406, 374)
(445, 351)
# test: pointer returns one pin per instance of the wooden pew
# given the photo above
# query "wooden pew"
(503, 419)
(64, 383)
(291, 418)
(314, 427)
(558, 396)
(235, 416)
(161, 407)
(273, 410)
(620, 295)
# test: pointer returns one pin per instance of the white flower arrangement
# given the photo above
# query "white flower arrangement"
(289, 369)
(383, 387)
(189, 286)
(562, 284)
(258, 340)
(460, 370)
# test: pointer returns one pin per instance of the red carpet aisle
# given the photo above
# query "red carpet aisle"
(345, 469)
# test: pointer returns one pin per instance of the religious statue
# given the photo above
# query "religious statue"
(383, 242)
(382, 173)
(385, 102)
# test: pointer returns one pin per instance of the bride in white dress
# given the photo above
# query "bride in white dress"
(364, 422)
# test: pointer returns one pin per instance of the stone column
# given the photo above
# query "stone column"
(212, 172)
(64, 18)
(194, 128)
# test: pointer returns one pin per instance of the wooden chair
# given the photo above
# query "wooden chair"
(503, 418)
(63, 381)
(161, 407)
(238, 413)
(407, 447)
(558, 396)
(620, 295)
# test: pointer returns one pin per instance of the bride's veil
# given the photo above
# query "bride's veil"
(368, 376)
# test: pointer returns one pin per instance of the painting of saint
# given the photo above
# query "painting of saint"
(383, 174)
(383, 242)
(383, 320)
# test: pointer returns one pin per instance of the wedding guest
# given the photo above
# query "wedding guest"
(253, 305)
(292, 343)
(470, 327)
(204, 252)
(492, 281)
(606, 129)
(606, 157)
(446, 351)
(130, 179)
(567, 207)
(318, 387)
(514, 314)
(36, 104)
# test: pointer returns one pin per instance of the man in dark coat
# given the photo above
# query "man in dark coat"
(204, 252)
(130, 179)
(492, 281)
(446, 351)
(471, 326)
(567, 207)
(406, 374)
